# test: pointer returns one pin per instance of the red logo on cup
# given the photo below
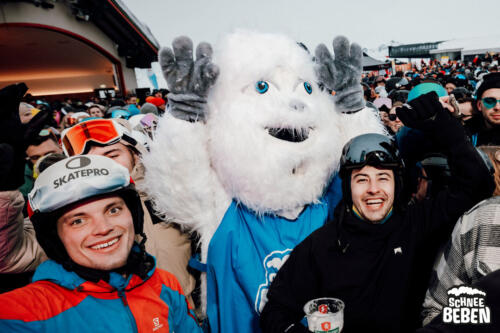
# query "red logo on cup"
(326, 326)
(323, 308)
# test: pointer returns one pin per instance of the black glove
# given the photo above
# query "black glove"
(188, 80)
(35, 125)
(342, 74)
(427, 114)
(12, 143)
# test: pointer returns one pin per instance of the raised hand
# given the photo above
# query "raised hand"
(342, 74)
(188, 80)
(426, 113)
(423, 113)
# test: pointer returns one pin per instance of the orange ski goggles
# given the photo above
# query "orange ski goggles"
(103, 132)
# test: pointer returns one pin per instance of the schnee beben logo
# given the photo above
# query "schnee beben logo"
(466, 305)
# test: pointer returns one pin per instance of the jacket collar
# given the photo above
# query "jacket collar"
(56, 273)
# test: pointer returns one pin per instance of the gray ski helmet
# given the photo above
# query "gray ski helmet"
(372, 149)
(71, 181)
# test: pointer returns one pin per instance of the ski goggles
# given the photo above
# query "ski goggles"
(103, 132)
(371, 149)
(490, 102)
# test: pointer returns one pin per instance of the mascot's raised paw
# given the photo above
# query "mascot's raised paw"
(188, 80)
(342, 74)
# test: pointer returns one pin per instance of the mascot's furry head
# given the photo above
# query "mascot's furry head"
(274, 138)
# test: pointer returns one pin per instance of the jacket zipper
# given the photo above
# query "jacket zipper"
(123, 297)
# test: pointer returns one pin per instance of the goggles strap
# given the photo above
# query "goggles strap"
(129, 139)
(85, 130)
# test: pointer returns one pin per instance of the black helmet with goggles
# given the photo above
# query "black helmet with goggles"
(371, 149)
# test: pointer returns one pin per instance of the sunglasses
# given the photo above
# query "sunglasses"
(392, 116)
(47, 132)
(490, 102)
(76, 139)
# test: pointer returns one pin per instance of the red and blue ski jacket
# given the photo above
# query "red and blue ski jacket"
(61, 301)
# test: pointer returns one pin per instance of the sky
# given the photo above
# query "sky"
(370, 23)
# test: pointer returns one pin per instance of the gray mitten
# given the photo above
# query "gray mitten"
(342, 74)
(188, 80)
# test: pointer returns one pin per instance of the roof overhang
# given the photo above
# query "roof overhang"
(420, 50)
(480, 51)
(135, 42)
(445, 51)
(53, 61)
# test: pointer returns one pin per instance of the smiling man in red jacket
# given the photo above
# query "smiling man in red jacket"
(86, 213)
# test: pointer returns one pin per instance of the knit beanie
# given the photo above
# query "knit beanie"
(149, 108)
(489, 81)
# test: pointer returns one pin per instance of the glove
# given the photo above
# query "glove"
(12, 147)
(35, 125)
(188, 80)
(342, 74)
(426, 113)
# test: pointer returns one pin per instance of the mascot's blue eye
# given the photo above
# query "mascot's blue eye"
(262, 87)
(308, 87)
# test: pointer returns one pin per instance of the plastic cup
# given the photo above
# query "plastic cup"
(325, 315)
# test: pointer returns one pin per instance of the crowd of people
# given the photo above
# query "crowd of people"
(458, 78)
(81, 244)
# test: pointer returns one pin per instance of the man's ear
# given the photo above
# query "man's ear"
(479, 106)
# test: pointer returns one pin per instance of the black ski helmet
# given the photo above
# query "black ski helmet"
(69, 182)
(372, 149)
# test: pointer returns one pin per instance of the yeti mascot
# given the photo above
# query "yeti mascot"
(247, 156)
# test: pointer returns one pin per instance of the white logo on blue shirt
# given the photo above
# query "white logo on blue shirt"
(272, 263)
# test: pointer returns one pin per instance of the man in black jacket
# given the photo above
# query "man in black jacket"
(376, 253)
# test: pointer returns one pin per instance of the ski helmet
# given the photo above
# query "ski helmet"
(372, 149)
(69, 182)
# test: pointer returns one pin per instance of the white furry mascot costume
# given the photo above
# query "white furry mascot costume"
(247, 155)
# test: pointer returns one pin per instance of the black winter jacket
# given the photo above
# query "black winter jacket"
(480, 134)
(380, 271)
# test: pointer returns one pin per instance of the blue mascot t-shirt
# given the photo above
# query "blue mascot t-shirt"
(245, 254)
